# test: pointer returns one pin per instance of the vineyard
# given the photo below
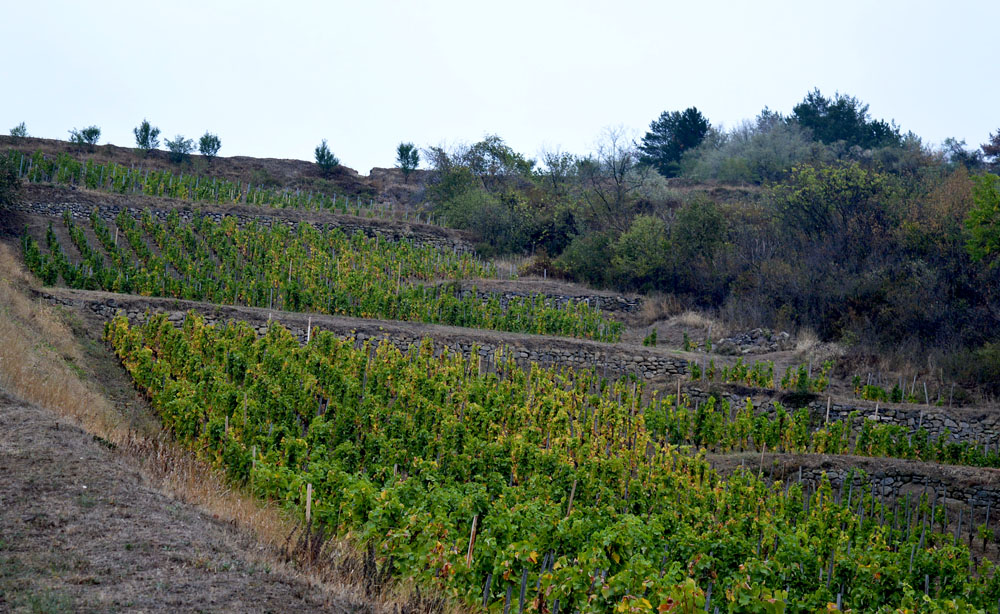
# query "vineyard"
(301, 269)
(547, 489)
(115, 178)
(490, 479)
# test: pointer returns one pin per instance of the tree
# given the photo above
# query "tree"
(670, 136)
(613, 178)
(983, 220)
(407, 159)
(10, 183)
(146, 137)
(209, 145)
(325, 158)
(955, 153)
(640, 253)
(19, 131)
(495, 163)
(87, 137)
(559, 172)
(180, 148)
(823, 200)
(990, 150)
(844, 118)
(752, 152)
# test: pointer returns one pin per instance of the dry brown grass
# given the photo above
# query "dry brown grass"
(656, 308)
(808, 347)
(695, 320)
(806, 340)
(510, 264)
(40, 360)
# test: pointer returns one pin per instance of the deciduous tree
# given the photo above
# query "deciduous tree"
(983, 221)
(86, 137)
(147, 137)
(209, 145)
(612, 177)
(180, 148)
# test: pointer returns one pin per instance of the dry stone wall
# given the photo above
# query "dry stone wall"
(895, 482)
(609, 360)
(972, 426)
(605, 303)
(971, 489)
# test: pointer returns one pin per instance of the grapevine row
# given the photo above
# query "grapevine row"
(578, 498)
(300, 269)
(116, 178)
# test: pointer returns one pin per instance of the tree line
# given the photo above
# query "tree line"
(825, 218)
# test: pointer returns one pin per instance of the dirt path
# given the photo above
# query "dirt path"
(81, 532)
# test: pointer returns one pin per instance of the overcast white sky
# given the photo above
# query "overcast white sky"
(272, 79)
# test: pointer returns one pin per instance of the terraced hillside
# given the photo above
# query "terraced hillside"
(495, 441)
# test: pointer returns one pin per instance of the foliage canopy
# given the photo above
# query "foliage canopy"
(670, 136)
(325, 158)
(209, 145)
(147, 137)
(407, 159)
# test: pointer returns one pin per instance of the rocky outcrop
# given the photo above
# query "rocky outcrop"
(756, 341)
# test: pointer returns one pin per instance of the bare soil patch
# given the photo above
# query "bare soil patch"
(81, 531)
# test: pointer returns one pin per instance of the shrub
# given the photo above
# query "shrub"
(180, 148)
(87, 137)
(209, 145)
(983, 220)
(586, 258)
(10, 184)
(147, 137)
(640, 254)
(19, 131)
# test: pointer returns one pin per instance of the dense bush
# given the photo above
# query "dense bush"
(10, 183)
(87, 137)
(180, 148)
(753, 152)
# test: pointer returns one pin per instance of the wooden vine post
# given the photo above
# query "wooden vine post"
(472, 540)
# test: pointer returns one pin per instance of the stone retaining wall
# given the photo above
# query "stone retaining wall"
(954, 486)
(610, 360)
(607, 304)
(973, 426)
(894, 482)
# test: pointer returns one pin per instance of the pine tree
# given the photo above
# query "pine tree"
(670, 136)
(325, 158)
